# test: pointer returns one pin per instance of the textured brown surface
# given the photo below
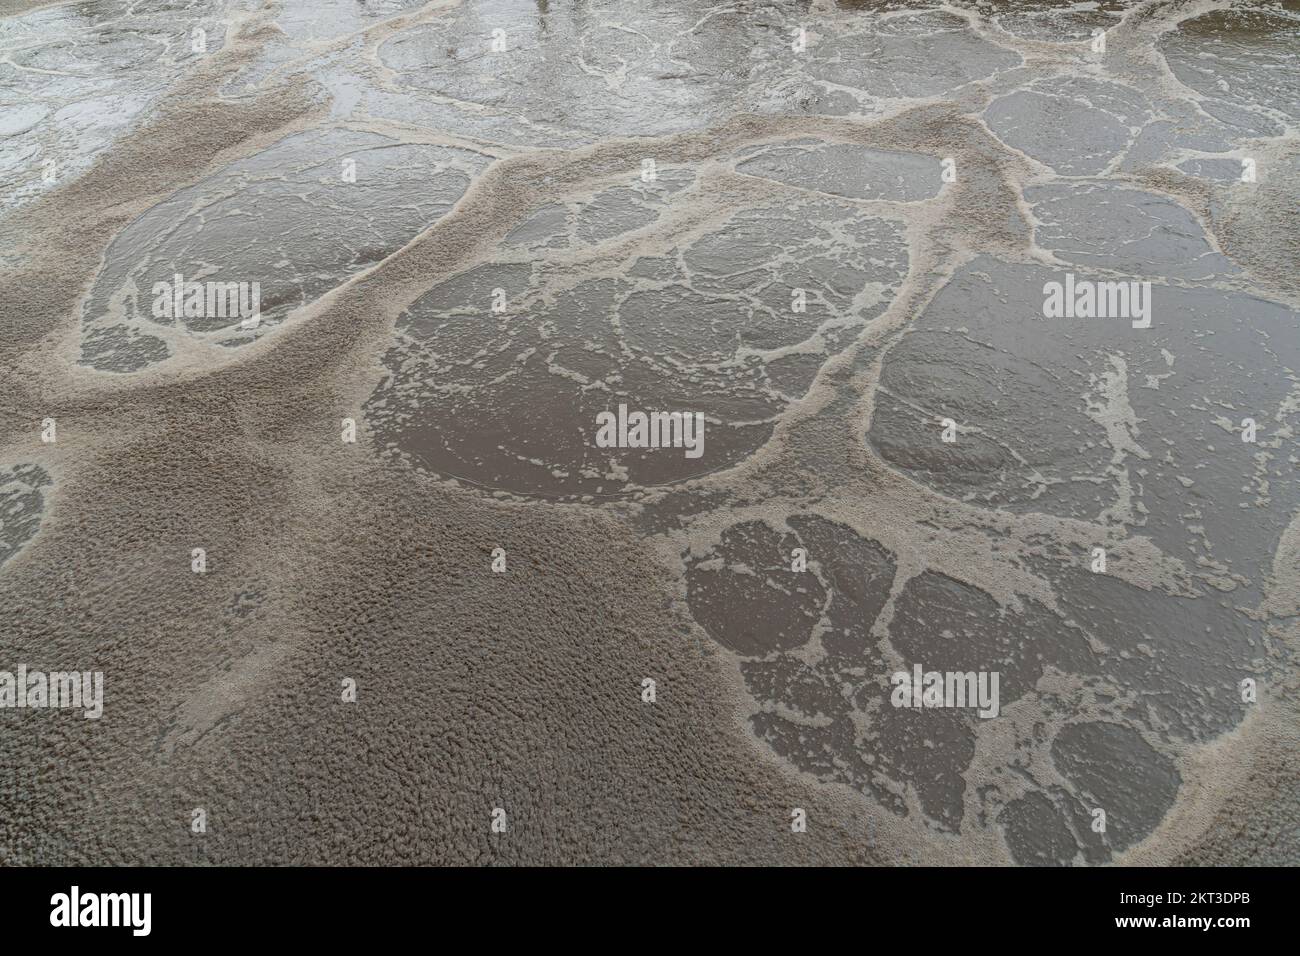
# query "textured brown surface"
(520, 690)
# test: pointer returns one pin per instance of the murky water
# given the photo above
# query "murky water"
(830, 231)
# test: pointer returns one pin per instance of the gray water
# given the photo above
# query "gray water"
(477, 226)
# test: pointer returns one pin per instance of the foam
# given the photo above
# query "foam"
(336, 559)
